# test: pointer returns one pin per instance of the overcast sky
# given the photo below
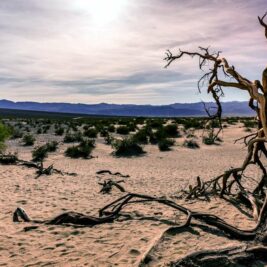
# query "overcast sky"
(93, 51)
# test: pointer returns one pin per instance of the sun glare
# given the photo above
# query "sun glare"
(103, 12)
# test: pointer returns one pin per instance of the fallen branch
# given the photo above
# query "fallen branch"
(110, 173)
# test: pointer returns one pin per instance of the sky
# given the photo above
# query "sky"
(93, 51)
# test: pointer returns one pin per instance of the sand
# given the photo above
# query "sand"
(124, 242)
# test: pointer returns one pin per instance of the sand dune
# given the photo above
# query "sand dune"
(124, 242)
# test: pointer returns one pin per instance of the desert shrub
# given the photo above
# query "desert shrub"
(156, 123)
(103, 132)
(122, 130)
(39, 153)
(139, 120)
(131, 127)
(71, 138)
(171, 130)
(83, 150)
(5, 132)
(52, 146)
(152, 139)
(192, 123)
(160, 134)
(127, 147)
(46, 128)
(28, 140)
(191, 143)
(141, 136)
(90, 133)
(111, 128)
(208, 140)
(232, 121)
(165, 144)
(108, 139)
(250, 123)
(16, 134)
(59, 131)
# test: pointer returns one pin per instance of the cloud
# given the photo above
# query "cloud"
(52, 51)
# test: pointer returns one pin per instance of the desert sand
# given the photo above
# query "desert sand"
(124, 242)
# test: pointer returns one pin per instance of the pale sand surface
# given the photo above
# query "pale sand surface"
(122, 243)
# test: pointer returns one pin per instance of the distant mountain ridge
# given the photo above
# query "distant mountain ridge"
(234, 108)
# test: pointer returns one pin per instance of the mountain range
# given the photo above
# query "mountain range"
(233, 108)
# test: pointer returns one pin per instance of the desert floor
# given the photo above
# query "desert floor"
(124, 242)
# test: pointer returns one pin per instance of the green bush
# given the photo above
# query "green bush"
(39, 153)
(127, 147)
(28, 140)
(111, 128)
(250, 123)
(171, 130)
(59, 131)
(90, 133)
(5, 132)
(16, 134)
(123, 130)
(165, 144)
(108, 139)
(52, 146)
(71, 138)
(156, 123)
(83, 150)
(141, 136)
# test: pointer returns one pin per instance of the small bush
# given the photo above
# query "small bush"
(141, 136)
(71, 138)
(165, 144)
(52, 146)
(123, 130)
(208, 140)
(127, 147)
(16, 134)
(59, 131)
(157, 123)
(28, 140)
(83, 150)
(39, 153)
(171, 130)
(111, 128)
(108, 139)
(90, 133)
(191, 143)
(250, 123)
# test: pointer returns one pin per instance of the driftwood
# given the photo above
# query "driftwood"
(255, 238)
(12, 159)
(41, 170)
(110, 173)
(64, 218)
